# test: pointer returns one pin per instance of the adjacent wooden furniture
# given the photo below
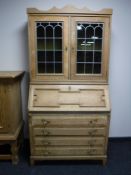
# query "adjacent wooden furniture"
(11, 122)
(69, 106)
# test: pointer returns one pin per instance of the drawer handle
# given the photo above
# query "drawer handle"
(91, 151)
(92, 143)
(92, 132)
(103, 98)
(46, 153)
(45, 133)
(44, 122)
(45, 143)
(1, 127)
(93, 121)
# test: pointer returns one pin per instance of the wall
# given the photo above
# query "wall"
(14, 51)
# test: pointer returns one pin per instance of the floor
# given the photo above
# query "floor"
(119, 163)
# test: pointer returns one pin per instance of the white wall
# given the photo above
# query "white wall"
(14, 51)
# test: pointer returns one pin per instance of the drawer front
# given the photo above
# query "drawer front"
(67, 120)
(69, 141)
(69, 131)
(67, 151)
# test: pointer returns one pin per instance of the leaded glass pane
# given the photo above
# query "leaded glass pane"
(58, 56)
(89, 56)
(80, 31)
(88, 68)
(80, 68)
(80, 56)
(89, 47)
(49, 47)
(58, 31)
(58, 67)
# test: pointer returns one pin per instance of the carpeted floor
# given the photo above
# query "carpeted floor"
(119, 163)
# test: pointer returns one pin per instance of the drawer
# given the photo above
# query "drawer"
(69, 131)
(69, 141)
(70, 120)
(67, 151)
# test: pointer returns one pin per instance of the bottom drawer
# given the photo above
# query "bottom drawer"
(67, 151)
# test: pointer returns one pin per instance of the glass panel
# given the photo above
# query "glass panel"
(40, 31)
(80, 56)
(58, 56)
(58, 68)
(80, 31)
(49, 44)
(58, 31)
(89, 56)
(81, 44)
(49, 47)
(40, 44)
(49, 68)
(49, 56)
(58, 44)
(98, 32)
(80, 68)
(89, 32)
(88, 68)
(98, 44)
(49, 31)
(41, 56)
(41, 67)
(97, 69)
(89, 47)
(89, 44)
(97, 56)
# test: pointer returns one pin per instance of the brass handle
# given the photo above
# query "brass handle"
(93, 121)
(46, 153)
(92, 151)
(91, 142)
(45, 143)
(1, 127)
(92, 132)
(45, 133)
(44, 122)
(35, 97)
(103, 98)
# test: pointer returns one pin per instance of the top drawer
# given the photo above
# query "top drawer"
(70, 120)
(68, 98)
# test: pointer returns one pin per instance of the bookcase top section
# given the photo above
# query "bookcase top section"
(71, 10)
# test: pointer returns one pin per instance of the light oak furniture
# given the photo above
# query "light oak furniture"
(11, 122)
(69, 106)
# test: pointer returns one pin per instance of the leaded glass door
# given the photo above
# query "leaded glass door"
(89, 46)
(50, 42)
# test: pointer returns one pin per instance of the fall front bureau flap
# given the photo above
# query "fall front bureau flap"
(69, 98)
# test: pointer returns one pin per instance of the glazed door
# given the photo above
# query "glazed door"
(48, 47)
(89, 47)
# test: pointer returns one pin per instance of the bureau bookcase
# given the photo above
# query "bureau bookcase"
(69, 106)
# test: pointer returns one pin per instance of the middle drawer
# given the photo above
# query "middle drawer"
(39, 131)
(69, 141)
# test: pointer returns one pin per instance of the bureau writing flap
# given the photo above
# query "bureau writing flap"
(69, 97)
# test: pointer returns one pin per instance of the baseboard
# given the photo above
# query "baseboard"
(119, 139)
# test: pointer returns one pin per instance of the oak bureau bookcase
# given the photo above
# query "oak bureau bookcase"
(69, 107)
